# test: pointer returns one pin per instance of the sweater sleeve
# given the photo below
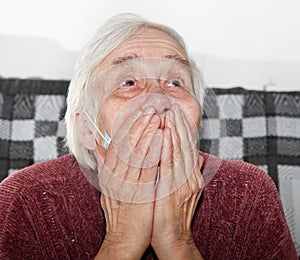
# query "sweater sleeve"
(18, 238)
(265, 232)
(241, 216)
(50, 211)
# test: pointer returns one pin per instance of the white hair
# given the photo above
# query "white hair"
(80, 96)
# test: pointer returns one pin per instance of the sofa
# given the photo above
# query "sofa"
(260, 127)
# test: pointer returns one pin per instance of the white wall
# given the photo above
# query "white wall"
(253, 43)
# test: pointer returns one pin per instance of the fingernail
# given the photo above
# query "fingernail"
(137, 114)
(155, 119)
(176, 107)
(149, 110)
(171, 115)
(170, 118)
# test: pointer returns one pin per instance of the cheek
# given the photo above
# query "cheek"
(189, 104)
(193, 109)
(108, 113)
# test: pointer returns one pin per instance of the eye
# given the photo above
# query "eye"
(175, 83)
(128, 83)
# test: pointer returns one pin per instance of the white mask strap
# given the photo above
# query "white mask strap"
(105, 137)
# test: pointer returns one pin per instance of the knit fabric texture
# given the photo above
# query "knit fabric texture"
(51, 211)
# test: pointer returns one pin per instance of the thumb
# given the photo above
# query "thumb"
(200, 160)
(100, 153)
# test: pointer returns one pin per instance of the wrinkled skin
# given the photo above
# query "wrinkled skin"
(156, 133)
(173, 214)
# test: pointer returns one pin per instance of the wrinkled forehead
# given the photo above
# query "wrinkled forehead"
(146, 42)
(149, 67)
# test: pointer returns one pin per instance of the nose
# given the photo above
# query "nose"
(160, 102)
(153, 86)
(155, 96)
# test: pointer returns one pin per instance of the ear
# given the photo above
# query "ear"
(87, 132)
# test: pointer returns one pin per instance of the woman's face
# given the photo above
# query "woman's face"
(148, 44)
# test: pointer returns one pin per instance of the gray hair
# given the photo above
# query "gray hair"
(80, 98)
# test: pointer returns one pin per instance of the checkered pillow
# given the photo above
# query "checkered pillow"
(259, 127)
(31, 123)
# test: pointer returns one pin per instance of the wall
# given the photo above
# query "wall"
(255, 44)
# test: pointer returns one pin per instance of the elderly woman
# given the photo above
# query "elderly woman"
(135, 185)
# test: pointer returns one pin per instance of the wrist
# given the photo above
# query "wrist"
(117, 250)
(178, 250)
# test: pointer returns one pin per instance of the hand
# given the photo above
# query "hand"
(178, 190)
(124, 175)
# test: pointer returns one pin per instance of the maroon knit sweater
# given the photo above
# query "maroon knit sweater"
(50, 211)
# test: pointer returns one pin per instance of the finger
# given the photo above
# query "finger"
(166, 163)
(150, 164)
(104, 174)
(191, 128)
(142, 146)
(188, 149)
(120, 147)
(176, 144)
(184, 153)
(143, 156)
(140, 125)
(196, 184)
(180, 126)
(178, 159)
(111, 173)
(123, 122)
(125, 142)
(165, 180)
(195, 181)
(199, 176)
(201, 160)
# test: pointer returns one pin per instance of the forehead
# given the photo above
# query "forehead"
(147, 43)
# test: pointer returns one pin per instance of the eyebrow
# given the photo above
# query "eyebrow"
(134, 56)
(124, 58)
(179, 59)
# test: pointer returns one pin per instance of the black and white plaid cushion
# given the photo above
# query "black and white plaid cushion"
(31, 126)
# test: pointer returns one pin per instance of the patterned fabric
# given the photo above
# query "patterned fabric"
(31, 127)
(259, 127)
